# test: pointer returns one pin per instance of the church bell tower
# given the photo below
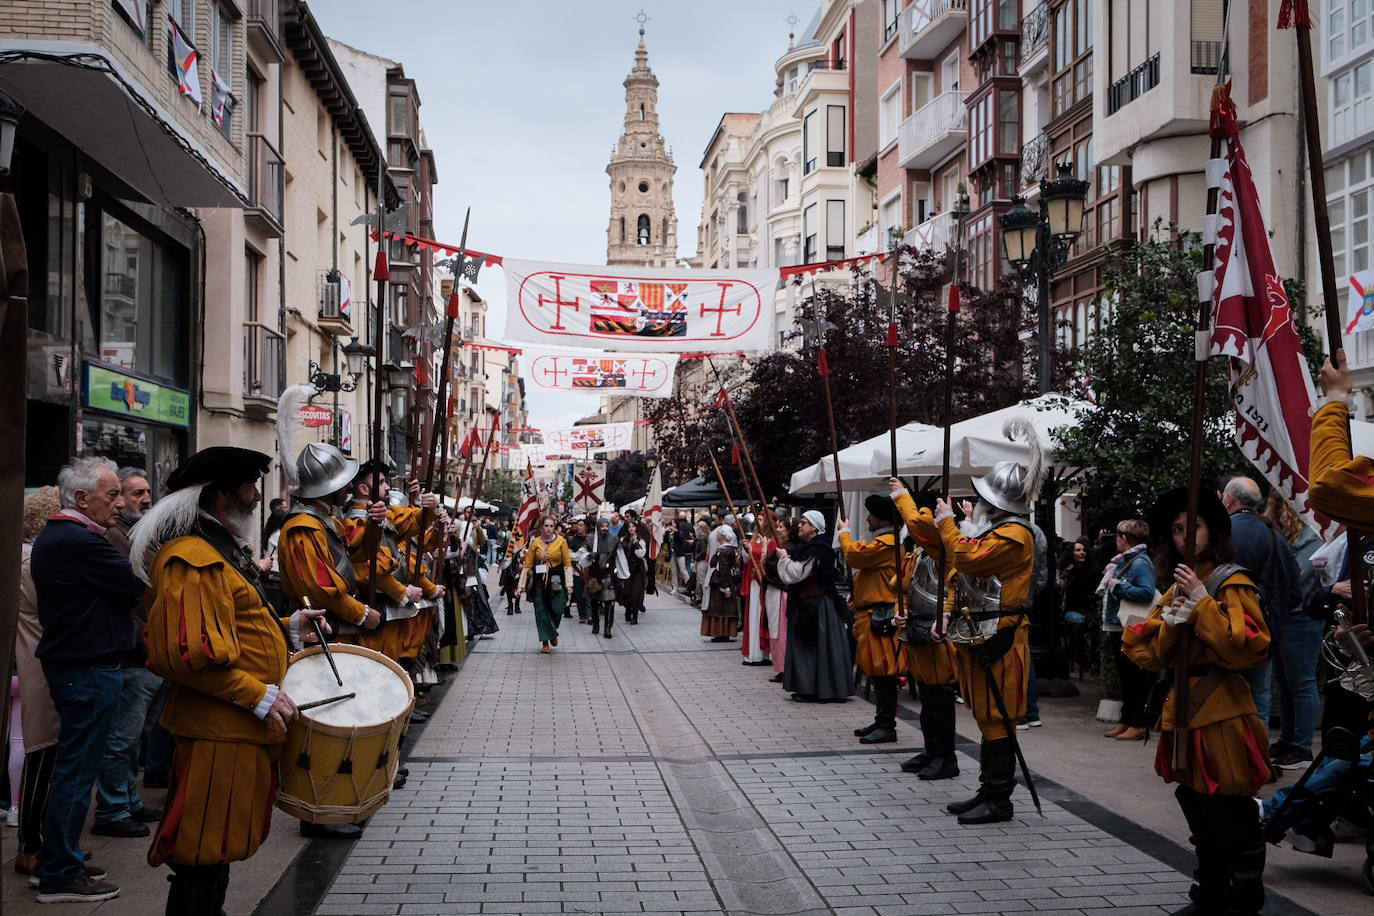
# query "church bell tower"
(643, 227)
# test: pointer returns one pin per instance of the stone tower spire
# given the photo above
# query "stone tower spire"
(643, 227)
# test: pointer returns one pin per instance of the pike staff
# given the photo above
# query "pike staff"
(1296, 13)
(893, 340)
(738, 433)
(441, 403)
(381, 272)
(723, 488)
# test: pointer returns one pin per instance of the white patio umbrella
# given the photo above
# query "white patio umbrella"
(467, 501)
(854, 465)
(976, 444)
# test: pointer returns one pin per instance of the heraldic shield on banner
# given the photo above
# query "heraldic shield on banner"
(632, 374)
(590, 485)
(640, 309)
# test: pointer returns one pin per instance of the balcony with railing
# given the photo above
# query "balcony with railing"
(265, 186)
(935, 234)
(1205, 57)
(1035, 37)
(934, 132)
(263, 365)
(820, 76)
(928, 27)
(335, 316)
(1133, 85)
(264, 27)
(1035, 160)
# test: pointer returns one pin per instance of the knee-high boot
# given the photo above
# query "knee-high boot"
(197, 890)
(608, 618)
(943, 763)
(997, 780)
(1235, 820)
(1209, 875)
(968, 804)
(928, 751)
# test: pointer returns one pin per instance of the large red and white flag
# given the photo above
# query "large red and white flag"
(529, 503)
(640, 309)
(1253, 326)
(184, 56)
(644, 375)
(590, 487)
(653, 512)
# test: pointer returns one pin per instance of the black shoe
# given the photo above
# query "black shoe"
(510, 613)
(155, 780)
(866, 730)
(968, 804)
(400, 781)
(126, 828)
(915, 764)
(940, 768)
(989, 812)
(567, 615)
(147, 815)
(883, 735)
(331, 831)
(608, 634)
(419, 715)
(596, 630)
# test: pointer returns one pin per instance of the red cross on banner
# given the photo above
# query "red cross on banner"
(591, 486)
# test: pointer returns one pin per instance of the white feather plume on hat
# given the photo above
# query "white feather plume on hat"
(288, 426)
(1022, 429)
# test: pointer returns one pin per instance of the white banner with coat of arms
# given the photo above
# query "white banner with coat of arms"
(644, 375)
(640, 309)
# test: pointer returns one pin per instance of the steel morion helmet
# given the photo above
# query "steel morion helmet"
(923, 595)
(323, 469)
(1012, 486)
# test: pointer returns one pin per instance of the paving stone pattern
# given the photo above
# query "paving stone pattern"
(653, 773)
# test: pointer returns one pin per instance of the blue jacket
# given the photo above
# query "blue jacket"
(1137, 583)
(86, 594)
(1270, 562)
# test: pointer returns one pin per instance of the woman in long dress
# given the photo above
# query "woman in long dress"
(818, 656)
(720, 616)
(548, 576)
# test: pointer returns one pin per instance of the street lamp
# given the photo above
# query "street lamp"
(1037, 244)
(356, 356)
(10, 113)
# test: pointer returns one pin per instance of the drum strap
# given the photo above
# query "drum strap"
(238, 558)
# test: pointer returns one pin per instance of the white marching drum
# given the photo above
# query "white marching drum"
(340, 758)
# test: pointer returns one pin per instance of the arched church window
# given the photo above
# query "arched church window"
(643, 238)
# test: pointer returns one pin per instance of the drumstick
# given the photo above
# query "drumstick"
(324, 646)
(313, 703)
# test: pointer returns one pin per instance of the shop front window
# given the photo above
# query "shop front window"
(142, 293)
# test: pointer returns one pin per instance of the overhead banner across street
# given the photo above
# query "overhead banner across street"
(645, 375)
(639, 309)
(603, 437)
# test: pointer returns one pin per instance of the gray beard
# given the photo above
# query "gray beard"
(238, 521)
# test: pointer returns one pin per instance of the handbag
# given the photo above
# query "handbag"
(1129, 613)
(882, 621)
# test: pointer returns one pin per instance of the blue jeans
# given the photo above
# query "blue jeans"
(1258, 678)
(85, 697)
(1299, 704)
(1032, 695)
(116, 788)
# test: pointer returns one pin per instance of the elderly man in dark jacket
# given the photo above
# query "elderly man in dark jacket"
(86, 591)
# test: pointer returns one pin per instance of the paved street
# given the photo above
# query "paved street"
(653, 772)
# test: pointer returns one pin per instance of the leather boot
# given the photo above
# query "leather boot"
(596, 618)
(860, 732)
(998, 780)
(1235, 820)
(968, 804)
(1209, 875)
(610, 619)
(197, 890)
(937, 724)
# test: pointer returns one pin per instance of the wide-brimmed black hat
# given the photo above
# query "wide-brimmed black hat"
(882, 507)
(365, 470)
(221, 466)
(1168, 507)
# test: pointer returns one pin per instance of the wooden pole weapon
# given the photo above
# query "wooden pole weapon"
(961, 211)
(738, 434)
(723, 488)
(441, 404)
(1302, 20)
(382, 274)
(892, 342)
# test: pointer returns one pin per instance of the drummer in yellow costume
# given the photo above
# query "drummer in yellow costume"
(878, 651)
(988, 606)
(404, 625)
(929, 660)
(213, 634)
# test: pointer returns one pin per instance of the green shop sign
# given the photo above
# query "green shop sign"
(109, 389)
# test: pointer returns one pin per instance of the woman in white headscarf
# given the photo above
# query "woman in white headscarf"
(720, 616)
(818, 657)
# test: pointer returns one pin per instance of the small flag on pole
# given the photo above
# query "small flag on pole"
(529, 503)
(184, 57)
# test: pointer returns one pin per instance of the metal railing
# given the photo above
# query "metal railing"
(920, 16)
(934, 234)
(330, 299)
(939, 116)
(118, 284)
(263, 365)
(1133, 85)
(1035, 31)
(265, 176)
(1035, 160)
(1205, 57)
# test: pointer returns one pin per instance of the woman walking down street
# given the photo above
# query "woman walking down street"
(631, 566)
(818, 657)
(699, 550)
(511, 564)
(720, 617)
(1227, 761)
(1130, 576)
(600, 577)
(548, 576)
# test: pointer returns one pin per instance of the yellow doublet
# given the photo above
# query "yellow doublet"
(308, 573)
(874, 565)
(552, 554)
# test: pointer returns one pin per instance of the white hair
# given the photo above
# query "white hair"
(82, 474)
(170, 518)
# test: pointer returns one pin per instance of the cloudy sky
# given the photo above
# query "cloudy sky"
(522, 103)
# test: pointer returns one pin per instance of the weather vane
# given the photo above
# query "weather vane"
(792, 21)
(641, 18)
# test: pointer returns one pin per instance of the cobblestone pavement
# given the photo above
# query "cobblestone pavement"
(653, 772)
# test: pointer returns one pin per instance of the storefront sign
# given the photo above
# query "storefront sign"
(313, 417)
(108, 389)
